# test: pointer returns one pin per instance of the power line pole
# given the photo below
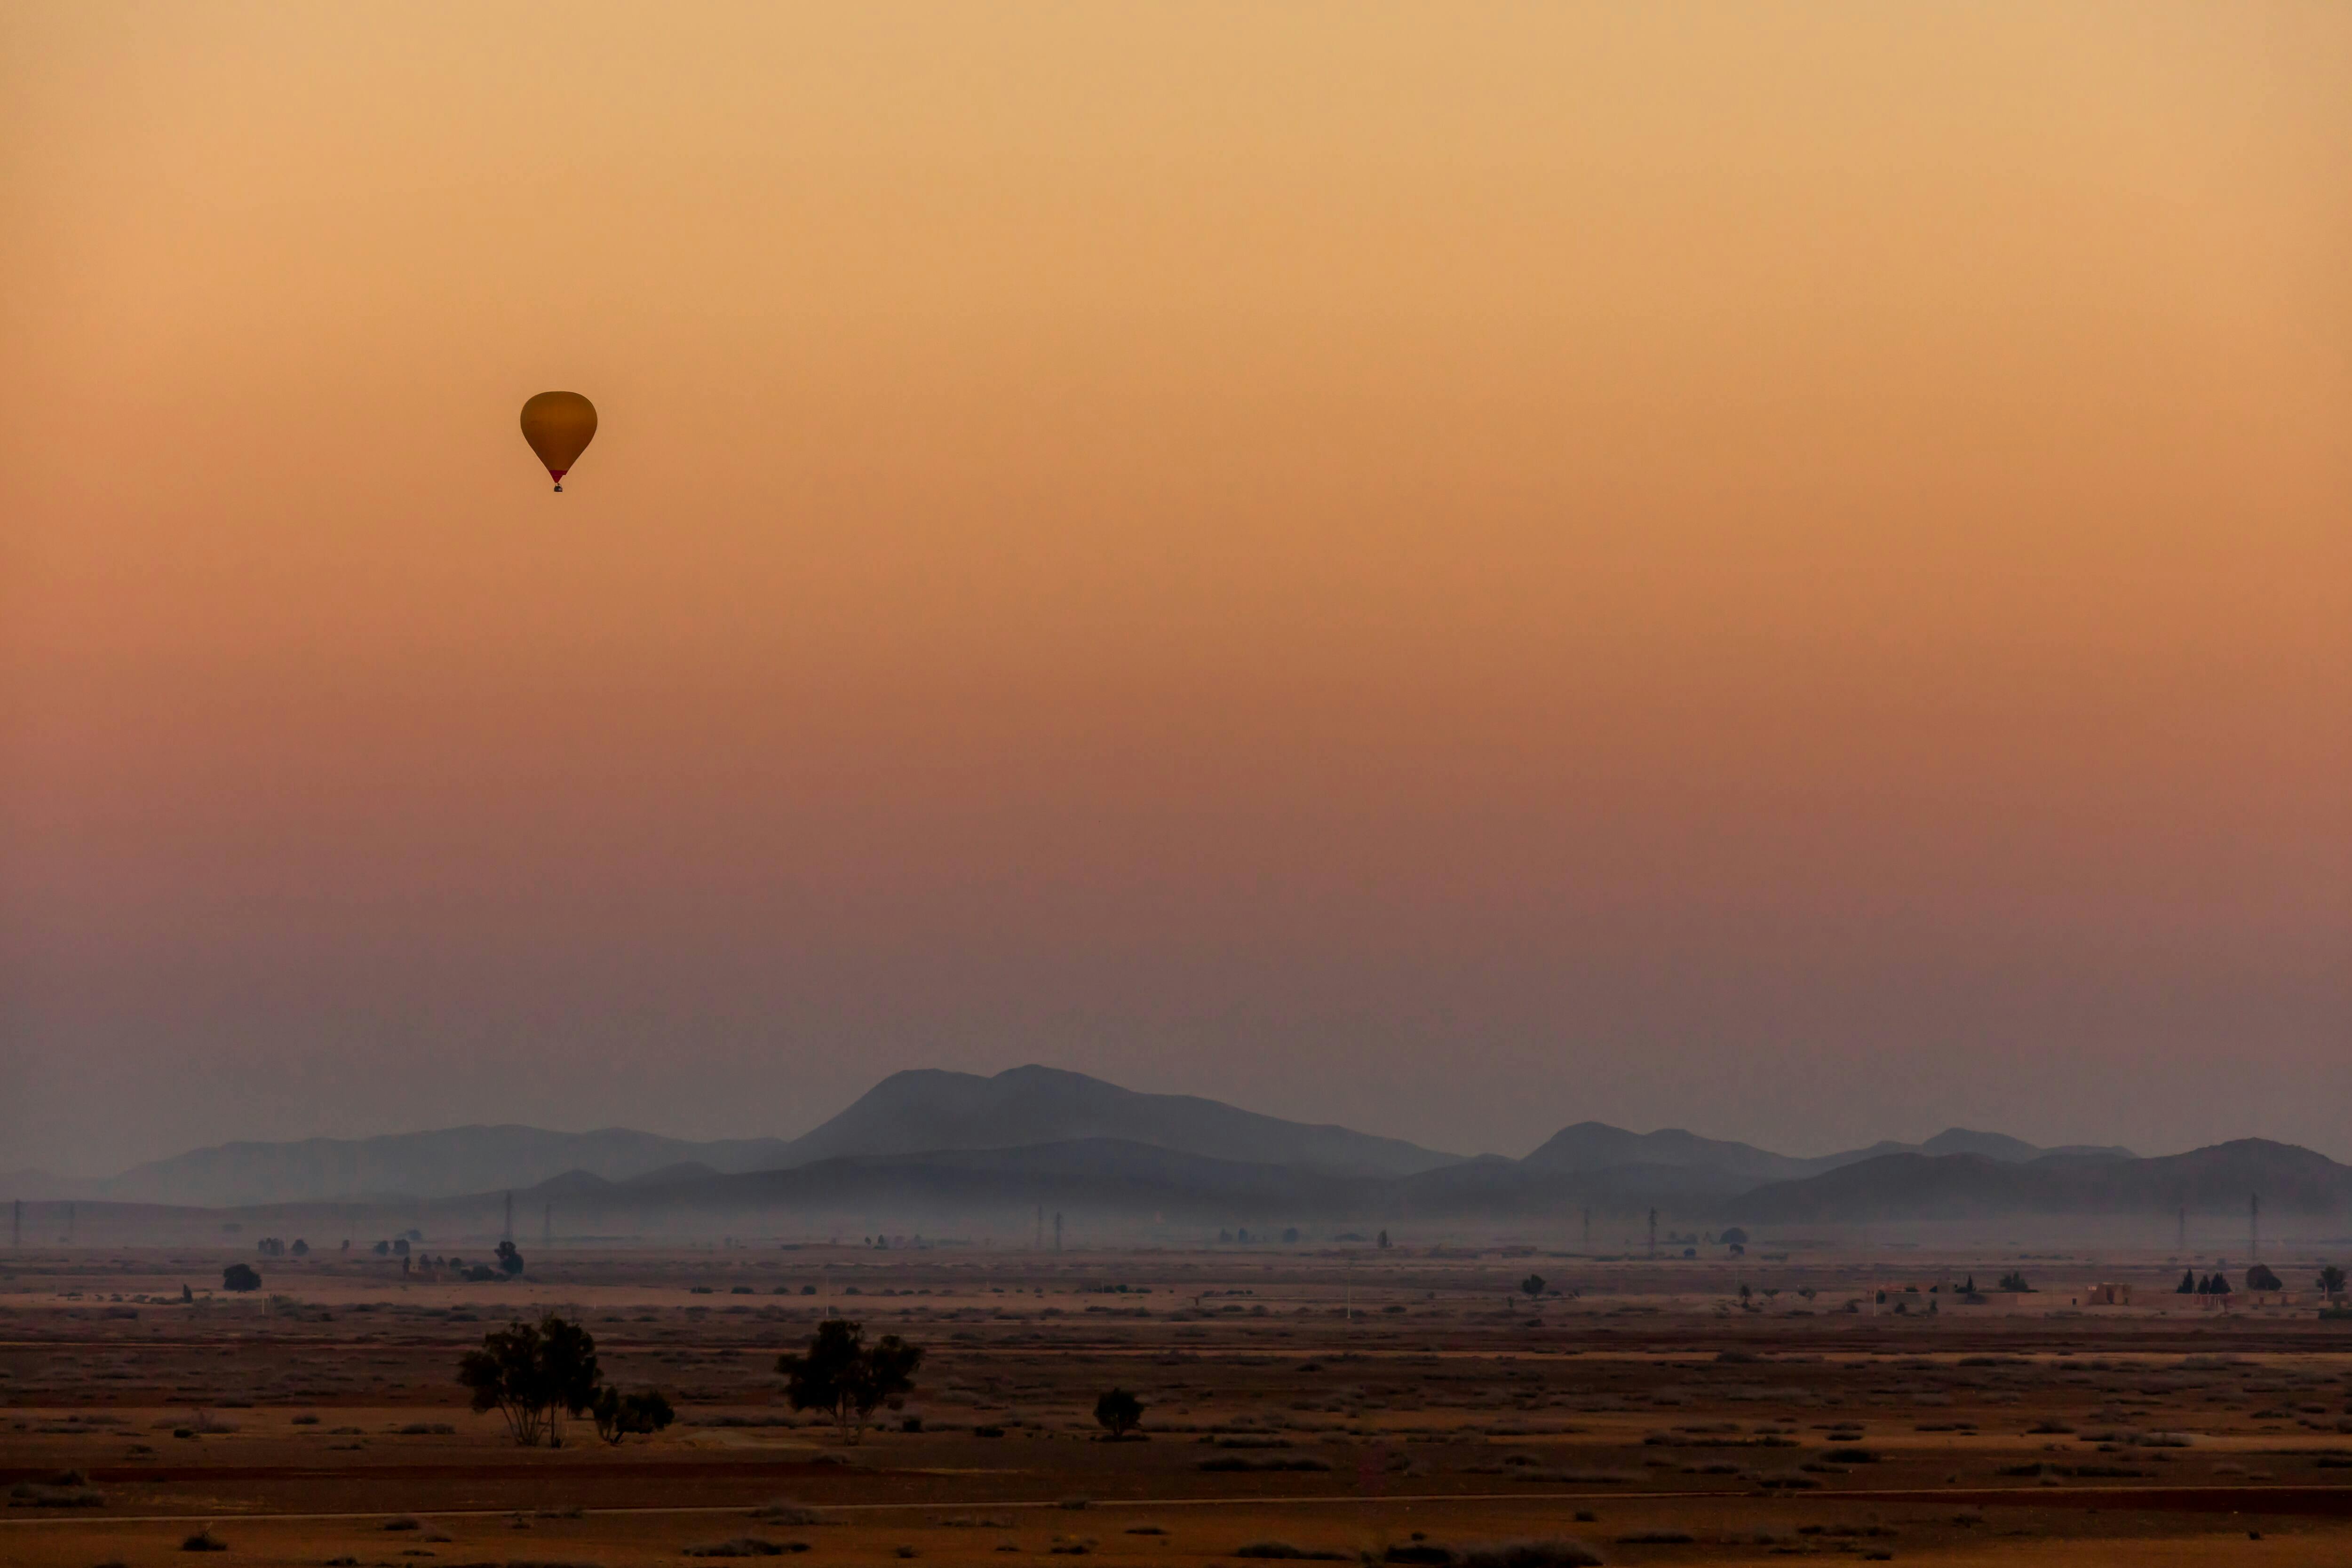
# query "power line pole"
(2254, 1229)
(506, 1231)
(547, 1226)
(1058, 1231)
(1588, 1227)
(1653, 1236)
(16, 1229)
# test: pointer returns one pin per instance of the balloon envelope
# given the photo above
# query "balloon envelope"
(559, 425)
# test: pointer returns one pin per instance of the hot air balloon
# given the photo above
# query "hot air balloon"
(559, 425)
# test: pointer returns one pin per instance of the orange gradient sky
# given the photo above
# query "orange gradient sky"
(1786, 571)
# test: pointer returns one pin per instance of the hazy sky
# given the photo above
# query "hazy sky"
(1779, 570)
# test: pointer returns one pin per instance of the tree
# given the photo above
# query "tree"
(847, 1378)
(2331, 1281)
(2221, 1284)
(2260, 1278)
(618, 1415)
(1735, 1237)
(533, 1375)
(1382, 1243)
(510, 1260)
(301, 1248)
(2014, 1281)
(1531, 1287)
(1118, 1412)
(240, 1277)
(2188, 1286)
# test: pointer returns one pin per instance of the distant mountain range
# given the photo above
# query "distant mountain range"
(907, 1113)
(1596, 1145)
(2291, 1180)
(441, 1163)
(940, 1148)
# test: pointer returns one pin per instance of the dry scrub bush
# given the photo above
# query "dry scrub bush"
(1245, 1463)
(1547, 1552)
(1285, 1551)
(743, 1546)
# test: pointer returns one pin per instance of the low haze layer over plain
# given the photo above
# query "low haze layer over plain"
(1787, 573)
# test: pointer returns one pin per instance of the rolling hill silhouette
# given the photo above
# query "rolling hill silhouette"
(954, 1146)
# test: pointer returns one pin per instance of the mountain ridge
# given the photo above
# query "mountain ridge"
(936, 1113)
(1119, 1187)
(1597, 1145)
(1971, 1185)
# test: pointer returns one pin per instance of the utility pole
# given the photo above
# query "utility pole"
(1058, 1231)
(1588, 1227)
(1041, 1227)
(2182, 1244)
(506, 1231)
(1653, 1236)
(2254, 1229)
(547, 1226)
(16, 1229)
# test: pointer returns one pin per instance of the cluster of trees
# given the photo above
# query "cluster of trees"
(240, 1277)
(275, 1246)
(507, 1261)
(847, 1378)
(2260, 1278)
(535, 1374)
(1292, 1236)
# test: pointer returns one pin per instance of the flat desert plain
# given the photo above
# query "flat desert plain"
(1411, 1405)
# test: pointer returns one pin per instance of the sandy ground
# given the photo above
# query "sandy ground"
(1363, 1405)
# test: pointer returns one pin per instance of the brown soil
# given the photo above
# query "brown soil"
(1294, 1395)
